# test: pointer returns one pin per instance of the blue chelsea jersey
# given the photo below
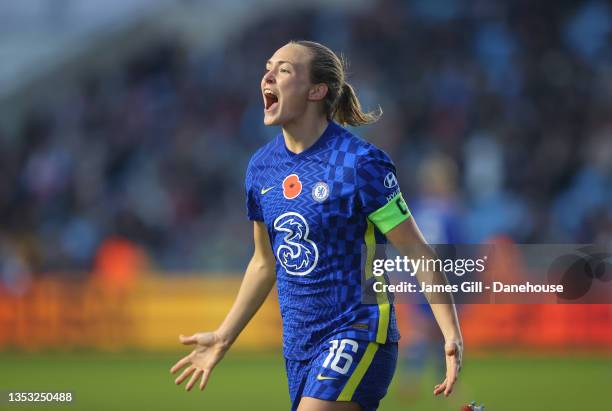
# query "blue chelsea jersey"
(322, 208)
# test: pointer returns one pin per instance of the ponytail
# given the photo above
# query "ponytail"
(348, 109)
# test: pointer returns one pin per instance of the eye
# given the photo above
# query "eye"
(284, 70)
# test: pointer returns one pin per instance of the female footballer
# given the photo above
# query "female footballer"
(319, 195)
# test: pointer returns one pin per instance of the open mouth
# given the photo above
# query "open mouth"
(270, 100)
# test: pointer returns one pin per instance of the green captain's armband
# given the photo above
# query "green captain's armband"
(390, 215)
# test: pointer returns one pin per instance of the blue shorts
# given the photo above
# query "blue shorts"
(344, 370)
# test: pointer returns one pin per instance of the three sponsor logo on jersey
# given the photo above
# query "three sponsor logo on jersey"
(298, 254)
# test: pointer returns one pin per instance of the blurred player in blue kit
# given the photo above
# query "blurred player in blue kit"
(317, 195)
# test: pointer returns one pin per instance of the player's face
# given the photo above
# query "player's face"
(285, 85)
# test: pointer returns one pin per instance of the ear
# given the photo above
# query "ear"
(317, 92)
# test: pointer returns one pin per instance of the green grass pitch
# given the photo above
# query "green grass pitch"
(135, 381)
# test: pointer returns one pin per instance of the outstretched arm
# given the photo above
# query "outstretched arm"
(258, 280)
(409, 241)
(210, 347)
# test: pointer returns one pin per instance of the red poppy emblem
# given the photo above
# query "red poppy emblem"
(292, 186)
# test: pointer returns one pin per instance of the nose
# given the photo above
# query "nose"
(269, 77)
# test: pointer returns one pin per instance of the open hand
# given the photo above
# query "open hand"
(208, 351)
(453, 351)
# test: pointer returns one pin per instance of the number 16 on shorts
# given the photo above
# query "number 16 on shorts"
(340, 357)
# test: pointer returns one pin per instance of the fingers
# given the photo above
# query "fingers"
(184, 375)
(188, 340)
(194, 378)
(195, 372)
(447, 385)
(188, 371)
(450, 383)
(205, 375)
(204, 339)
(179, 364)
(439, 388)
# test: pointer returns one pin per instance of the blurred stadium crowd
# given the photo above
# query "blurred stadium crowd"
(498, 116)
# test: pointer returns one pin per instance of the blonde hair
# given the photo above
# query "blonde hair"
(341, 103)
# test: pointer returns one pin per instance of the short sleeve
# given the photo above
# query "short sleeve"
(252, 195)
(379, 192)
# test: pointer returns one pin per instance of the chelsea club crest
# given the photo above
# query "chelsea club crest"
(320, 192)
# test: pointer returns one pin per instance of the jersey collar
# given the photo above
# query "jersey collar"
(330, 130)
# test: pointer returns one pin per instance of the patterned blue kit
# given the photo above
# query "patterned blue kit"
(321, 208)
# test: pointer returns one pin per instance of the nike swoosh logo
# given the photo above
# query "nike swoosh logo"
(322, 378)
(265, 190)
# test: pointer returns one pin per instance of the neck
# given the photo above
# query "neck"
(302, 133)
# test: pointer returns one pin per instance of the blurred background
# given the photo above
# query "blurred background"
(125, 130)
